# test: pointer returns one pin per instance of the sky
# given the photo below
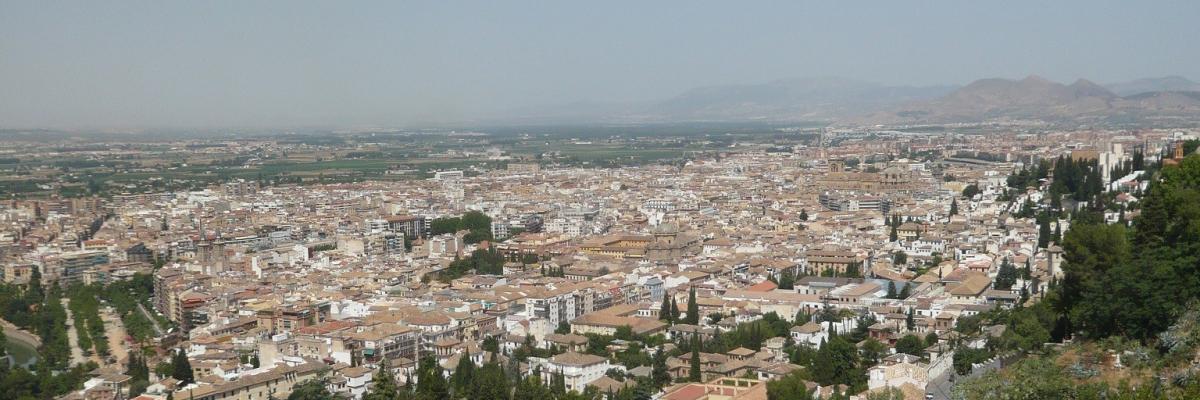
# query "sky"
(226, 64)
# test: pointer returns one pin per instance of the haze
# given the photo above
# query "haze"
(146, 65)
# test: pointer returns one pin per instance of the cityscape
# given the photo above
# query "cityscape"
(814, 238)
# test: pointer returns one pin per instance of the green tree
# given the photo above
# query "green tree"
(489, 383)
(694, 367)
(664, 312)
(1044, 235)
(659, 374)
(1006, 277)
(789, 387)
(910, 344)
(464, 374)
(383, 384)
(971, 190)
(954, 207)
(312, 389)
(787, 280)
(693, 309)
(836, 362)
(182, 368)
(431, 385)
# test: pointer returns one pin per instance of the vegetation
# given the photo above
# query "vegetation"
(1132, 289)
(478, 225)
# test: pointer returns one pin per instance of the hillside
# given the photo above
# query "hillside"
(1035, 98)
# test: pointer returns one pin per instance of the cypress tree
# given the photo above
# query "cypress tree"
(693, 310)
(464, 374)
(431, 385)
(674, 310)
(383, 384)
(182, 368)
(694, 370)
(664, 312)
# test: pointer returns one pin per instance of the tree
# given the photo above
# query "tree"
(489, 383)
(464, 374)
(900, 257)
(787, 280)
(1007, 276)
(664, 312)
(674, 310)
(431, 385)
(790, 386)
(694, 368)
(804, 215)
(182, 368)
(659, 374)
(836, 362)
(872, 351)
(954, 207)
(891, 290)
(531, 388)
(971, 190)
(312, 389)
(693, 309)
(910, 344)
(909, 320)
(383, 384)
(1044, 233)
(904, 291)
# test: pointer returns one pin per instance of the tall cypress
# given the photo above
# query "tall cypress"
(693, 310)
(694, 370)
(664, 312)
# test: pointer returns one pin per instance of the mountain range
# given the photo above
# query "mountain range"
(1035, 98)
(851, 102)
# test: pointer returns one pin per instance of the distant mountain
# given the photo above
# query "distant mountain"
(1035, 98)
(1164, 84)
(852, 102)
(792, 99)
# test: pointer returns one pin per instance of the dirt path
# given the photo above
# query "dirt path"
(14, 332)
(115, 330)
(77, 356)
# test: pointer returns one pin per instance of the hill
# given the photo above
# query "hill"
(1145, 85)
(1035, 98)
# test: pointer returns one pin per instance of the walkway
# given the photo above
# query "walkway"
(77, 356)
(153, 321)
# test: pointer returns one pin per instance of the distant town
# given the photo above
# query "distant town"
(756, 261)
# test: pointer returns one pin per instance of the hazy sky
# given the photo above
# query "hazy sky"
(119, 64)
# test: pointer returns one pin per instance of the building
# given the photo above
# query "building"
(577, 369)
(275, 383)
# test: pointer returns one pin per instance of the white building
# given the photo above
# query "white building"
(577, 369)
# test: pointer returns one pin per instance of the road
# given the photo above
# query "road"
(153, 322)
